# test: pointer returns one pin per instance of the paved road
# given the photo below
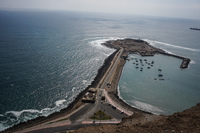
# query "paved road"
(62, 128)
(79, 113)
(109, 109)
(98, 104)
(112, 69)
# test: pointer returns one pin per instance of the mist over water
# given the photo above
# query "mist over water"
(47, 58)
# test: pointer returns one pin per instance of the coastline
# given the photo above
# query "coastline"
(72, 106)
(113, 91)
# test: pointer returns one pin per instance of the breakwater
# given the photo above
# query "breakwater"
(185, 61)
(137, 46)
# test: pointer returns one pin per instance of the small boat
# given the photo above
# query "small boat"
(136, 67)
(194, 28)
(148, 67)
(155, 78)
(160, 75)
(159, 69)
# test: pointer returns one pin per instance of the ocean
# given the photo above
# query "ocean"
(48, 57)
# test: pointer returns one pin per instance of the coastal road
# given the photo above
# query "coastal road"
(62, 128)
(98, 103)
(112, 69)
(88, 110)
(80, 113)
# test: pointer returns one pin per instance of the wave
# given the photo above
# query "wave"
(147, 107)
(153, 43)
(17, 114)
(84, 81)
(60, 102)
(193, 62)
(96, 42)
(14, 117)
(73, 89)
(2, 127)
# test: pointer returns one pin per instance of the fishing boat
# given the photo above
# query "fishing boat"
(194, 28)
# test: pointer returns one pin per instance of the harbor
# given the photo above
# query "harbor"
(103, 93)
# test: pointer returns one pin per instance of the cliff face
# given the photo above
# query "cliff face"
(187, 121)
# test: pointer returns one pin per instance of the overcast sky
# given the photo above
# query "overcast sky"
(169, 8)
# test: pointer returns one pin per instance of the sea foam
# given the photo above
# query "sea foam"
(60, 102)
(97, 43)
(155, 43)
(17, 114)
(147, 107)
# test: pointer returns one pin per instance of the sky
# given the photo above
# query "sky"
(167, 8)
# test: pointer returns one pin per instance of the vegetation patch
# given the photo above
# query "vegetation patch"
(101, 115)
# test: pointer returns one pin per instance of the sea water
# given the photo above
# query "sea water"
(158, 85)
(47, 58)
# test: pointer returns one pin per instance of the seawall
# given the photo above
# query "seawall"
(185, 61)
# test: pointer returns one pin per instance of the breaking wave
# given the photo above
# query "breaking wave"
(16, 117)
(157, 43)
(97, 43)
(146, 107)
